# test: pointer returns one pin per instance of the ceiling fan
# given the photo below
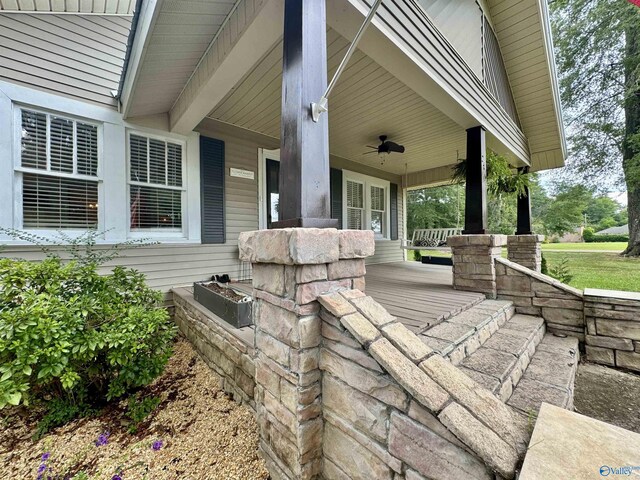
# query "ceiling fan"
(386, 146)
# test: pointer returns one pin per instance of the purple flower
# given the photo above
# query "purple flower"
(42, 468)
(116, 477)
(103, 439)
(157, 445)
(45, 456)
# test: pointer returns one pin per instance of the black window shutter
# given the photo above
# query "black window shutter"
(393, 202)
(336, 195)
(212, 190)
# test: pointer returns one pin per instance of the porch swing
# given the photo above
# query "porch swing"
(433, 238)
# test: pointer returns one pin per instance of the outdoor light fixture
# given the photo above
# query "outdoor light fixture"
(322, 105)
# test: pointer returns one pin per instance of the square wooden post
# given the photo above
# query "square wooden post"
(304, 144)
(475, 215)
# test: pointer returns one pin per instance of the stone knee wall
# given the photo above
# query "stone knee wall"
(533, 293)
(394, 409)
(613, 328)
(231, 358)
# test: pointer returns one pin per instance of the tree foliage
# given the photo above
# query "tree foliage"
(598, 56)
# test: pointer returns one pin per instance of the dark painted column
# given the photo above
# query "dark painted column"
(304, 144)
(475, 215)
(524, 211)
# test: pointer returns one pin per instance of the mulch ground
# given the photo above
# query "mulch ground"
(203, 433)
(610, 395)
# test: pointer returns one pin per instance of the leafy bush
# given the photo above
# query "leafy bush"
(68, 333)
(59, 412)
(589, 236)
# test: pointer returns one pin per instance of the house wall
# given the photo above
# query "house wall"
(174, 261)
(75, 56)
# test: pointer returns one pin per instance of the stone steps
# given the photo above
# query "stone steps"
(460, 335)
(499, 364)
(550, 376)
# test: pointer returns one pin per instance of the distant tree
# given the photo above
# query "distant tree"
(601, 208)
(438, 207)
(598, 55)
(566, 212)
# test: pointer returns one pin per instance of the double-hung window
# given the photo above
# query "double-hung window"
(58, 172)
(367, 203)
(156, 191)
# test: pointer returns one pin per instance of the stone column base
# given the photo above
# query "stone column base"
(291, 268)
(473, 262)
(525, 250)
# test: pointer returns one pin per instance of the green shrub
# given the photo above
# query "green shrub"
(61, 411)
(139, 409)
(604, 238)
(68, 333)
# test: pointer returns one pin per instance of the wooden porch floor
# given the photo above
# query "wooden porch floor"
(418, 294)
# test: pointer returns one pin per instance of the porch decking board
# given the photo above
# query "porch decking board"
(418, 294)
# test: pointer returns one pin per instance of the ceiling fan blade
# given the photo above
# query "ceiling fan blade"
(369, 153)
(371, 146)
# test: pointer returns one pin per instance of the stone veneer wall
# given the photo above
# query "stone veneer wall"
(231, 358)
(533, 293)
(525, 250)
(393, 408)
(291, 268)
(473, 262)
(613, 328)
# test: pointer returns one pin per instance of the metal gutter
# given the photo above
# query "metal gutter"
(130, 40)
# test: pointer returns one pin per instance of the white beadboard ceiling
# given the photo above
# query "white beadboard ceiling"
(179, 39)
(119, 7)
(367, 102)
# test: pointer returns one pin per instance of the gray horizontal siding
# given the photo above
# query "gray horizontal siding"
(75, 56)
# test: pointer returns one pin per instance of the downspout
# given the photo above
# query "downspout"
(127, 55)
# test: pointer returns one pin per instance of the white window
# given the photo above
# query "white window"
(367, 203)
(156, 192)
(58, 172)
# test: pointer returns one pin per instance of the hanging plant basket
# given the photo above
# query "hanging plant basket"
(502, 178)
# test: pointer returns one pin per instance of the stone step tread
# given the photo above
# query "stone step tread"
(501, 361)
(465, 332)
(549, 377)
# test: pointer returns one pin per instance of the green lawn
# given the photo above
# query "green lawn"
(567, 247)
(604, 270)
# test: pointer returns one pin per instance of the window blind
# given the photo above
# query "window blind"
(355, 205)
(155, 183)
(59, 156)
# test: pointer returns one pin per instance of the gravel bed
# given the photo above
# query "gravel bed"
(199, 433)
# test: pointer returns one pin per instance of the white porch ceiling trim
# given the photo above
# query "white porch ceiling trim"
(240, 44)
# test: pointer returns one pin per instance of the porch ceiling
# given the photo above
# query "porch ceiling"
(179, 38)
(120, 7)
(368, 101)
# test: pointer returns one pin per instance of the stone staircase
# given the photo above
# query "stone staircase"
(509, 354)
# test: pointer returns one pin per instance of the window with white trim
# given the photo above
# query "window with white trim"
(367, 203)
(156, 192)
(58, 172)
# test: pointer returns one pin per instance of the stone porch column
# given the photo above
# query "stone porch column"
(291, 268)
(473, 262)
(525, 250)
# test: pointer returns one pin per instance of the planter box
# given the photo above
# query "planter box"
(234, 313)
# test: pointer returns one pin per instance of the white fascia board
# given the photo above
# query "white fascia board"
(146, 22)
(553, 74)
(265, 29)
